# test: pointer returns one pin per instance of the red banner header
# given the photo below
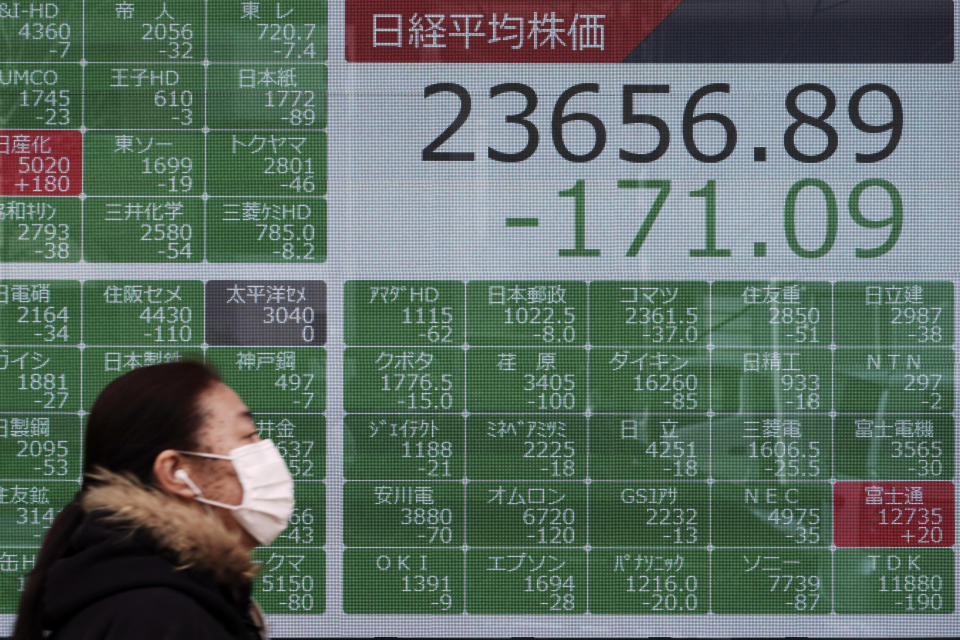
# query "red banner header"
(499, 31)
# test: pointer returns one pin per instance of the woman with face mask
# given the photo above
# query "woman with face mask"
(178, 489)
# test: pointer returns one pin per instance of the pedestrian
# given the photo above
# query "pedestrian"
(178, 488)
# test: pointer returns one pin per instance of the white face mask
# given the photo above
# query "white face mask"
(267, 489)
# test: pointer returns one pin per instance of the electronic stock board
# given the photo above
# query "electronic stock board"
(621, 318)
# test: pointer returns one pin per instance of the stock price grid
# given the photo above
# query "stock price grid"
(616, 317)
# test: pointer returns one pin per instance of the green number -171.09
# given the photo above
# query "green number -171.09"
(709, 194)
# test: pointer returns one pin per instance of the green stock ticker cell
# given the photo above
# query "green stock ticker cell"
(895, 313)
(404, 312)
(526, 379)
(551, 447)
(657, 380)
(887, 447)
(403, 447)
(267, 96)
(289, 379)
(151, 31)
(51, 33)
(156, 313)
(646, 447)
(143, 230)
(40, 230)
(401, 580)
(761, 313)
(526, 580)
(266, 163)
(39, 379)
(144, 96)
(143, 163)
(307, 525)
(901, 581)
(655, 581)
(273, 379)
(101, 365)
(514, 513)
(403, 380)
(770, 379)
(527, 313)
(899, 380)
(649, 313)
(282, 230)
(771, 447)
(28, 507)
(40, 96)
(294, 31)
(40, 447)
(773, 581)
(290, 580)
(301, 440)
(649, 514)
(772, 514)
(396, 514)
(39, 312)
(19, 562)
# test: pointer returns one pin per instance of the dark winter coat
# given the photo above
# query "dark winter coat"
(147, 565)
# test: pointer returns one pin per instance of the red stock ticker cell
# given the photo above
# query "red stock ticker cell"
(903, 513)
(41, 163)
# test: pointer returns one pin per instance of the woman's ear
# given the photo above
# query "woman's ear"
(168, 471)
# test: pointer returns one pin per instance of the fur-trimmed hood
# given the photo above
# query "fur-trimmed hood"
(191, 532)
(141, 563)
